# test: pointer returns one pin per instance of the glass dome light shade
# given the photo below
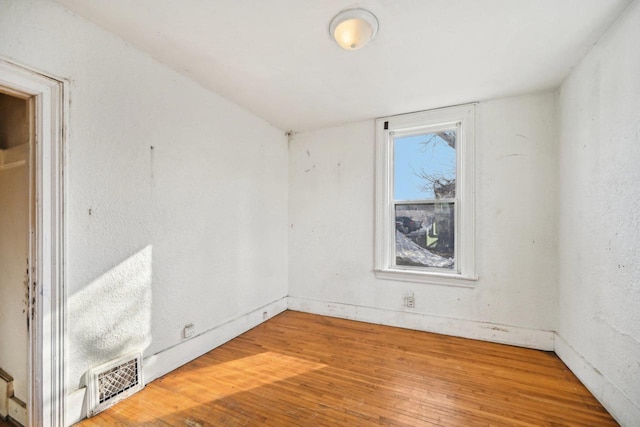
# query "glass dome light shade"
(352, 29)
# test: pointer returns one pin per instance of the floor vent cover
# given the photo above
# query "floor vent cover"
(112, 382)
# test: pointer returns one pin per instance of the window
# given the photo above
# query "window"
(425, 196)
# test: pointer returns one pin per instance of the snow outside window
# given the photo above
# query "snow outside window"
(425, 196)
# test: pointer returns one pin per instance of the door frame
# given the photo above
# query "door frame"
(47, 384)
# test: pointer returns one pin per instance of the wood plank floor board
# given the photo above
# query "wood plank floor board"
(300, 369)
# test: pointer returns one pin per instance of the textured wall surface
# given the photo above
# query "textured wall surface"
(331, 204)
(599, 225)
(176, 199)
(177, 203)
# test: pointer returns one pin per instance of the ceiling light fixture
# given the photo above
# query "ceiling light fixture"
(353, 28)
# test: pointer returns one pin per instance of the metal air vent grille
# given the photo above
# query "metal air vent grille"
(117, 380)
(112, 382)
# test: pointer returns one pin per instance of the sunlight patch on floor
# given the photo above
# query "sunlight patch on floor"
(222, 380)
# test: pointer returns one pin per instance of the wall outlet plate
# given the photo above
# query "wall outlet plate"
(410, 301)
(188, 331)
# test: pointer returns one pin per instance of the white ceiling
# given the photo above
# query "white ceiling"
(276, 58)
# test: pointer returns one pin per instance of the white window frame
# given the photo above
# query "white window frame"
(462, 118)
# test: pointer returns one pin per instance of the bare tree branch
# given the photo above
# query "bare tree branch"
(449, 137)
(441, 185)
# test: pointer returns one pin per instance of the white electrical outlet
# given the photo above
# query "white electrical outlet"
(410, 301)
(188, 330)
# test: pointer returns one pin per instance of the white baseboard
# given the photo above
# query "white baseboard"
(6, 390)
(172, 358)
(503, 334)
(167, 360)
(18, 410)
(75, 406)
(611, 397)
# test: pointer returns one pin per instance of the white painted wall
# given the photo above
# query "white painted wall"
(599, 222)
(331, 204)
(202, 216)
(192, 230)
(14, 251)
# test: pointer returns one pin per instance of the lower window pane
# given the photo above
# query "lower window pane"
(425, 235)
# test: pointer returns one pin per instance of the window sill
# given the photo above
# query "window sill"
(427, 277)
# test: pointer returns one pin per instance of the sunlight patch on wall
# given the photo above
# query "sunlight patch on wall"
(111, 316)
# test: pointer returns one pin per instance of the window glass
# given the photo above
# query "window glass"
(424, 174)
(425, 166)
(425, 235)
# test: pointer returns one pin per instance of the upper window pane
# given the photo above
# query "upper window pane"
(425, 166)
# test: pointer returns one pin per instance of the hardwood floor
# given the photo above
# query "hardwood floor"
(305, 370)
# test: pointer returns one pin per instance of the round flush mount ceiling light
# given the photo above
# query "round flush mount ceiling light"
(353, 28)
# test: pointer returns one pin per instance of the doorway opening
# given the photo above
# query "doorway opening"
(32, 303)
(16, 228)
